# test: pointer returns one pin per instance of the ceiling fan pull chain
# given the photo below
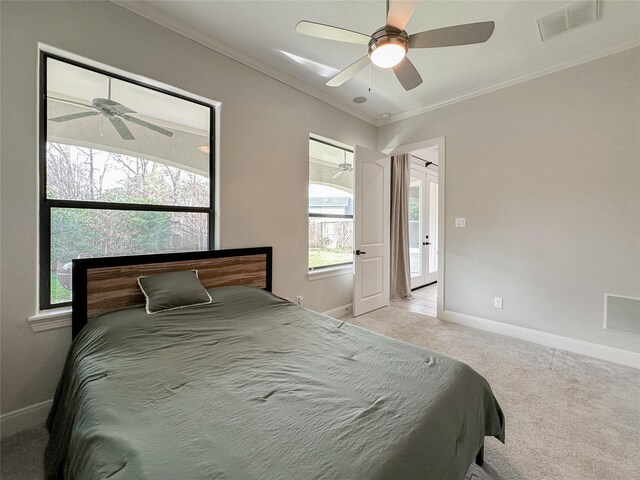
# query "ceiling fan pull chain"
(369, 78)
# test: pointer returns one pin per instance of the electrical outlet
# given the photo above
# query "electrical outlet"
(461, 222)
(497, 302)
(299, 299)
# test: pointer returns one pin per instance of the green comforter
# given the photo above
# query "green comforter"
(254, 387)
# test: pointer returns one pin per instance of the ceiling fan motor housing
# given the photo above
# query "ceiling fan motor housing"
(388, 35)
(109, 107)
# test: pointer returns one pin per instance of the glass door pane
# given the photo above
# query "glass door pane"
(415, 225)
(433, 224)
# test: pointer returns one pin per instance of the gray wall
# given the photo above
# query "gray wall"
(547, 174)
(264, 162)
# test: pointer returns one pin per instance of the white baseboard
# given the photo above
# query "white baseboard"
(24, 418)
(340, 311)
(602, 352)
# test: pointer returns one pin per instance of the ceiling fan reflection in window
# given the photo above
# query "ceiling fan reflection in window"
(113, 111)
(388, 46)
(342, 168)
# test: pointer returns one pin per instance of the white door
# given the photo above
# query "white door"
(423, 226)
(372, 184)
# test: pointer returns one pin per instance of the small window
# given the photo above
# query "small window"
(330, 205)
(125, 169)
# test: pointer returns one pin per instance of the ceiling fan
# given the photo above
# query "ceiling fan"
(342, 168)
(388, 46)
(114, 112)
(339, 169)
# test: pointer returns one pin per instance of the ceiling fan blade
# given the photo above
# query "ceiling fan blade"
(148, 125)
(399, 12)
(328, 32)
(407, 74)
(121, 128)
(349, 72)
(73, 116)
(466, 34)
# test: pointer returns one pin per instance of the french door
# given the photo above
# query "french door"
(423, 226)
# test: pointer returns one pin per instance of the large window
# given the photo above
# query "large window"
(330, 205)
(125, 169)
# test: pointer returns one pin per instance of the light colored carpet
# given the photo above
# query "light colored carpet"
(569, 417)
(21, 455)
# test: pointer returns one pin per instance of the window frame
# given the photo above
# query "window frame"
(333, 266)
(46, 204)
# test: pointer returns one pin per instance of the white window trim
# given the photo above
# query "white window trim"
(326, 272)
(50, 319)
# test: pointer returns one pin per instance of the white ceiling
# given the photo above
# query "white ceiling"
(265, 31)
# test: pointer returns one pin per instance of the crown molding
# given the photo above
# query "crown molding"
(627, 44)
(152, 13)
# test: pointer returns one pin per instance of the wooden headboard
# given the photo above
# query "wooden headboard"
(101, 285)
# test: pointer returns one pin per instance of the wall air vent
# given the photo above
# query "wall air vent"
(574, 15)
(622, 313)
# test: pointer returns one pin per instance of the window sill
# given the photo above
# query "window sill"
(50, 319)
(330, 272)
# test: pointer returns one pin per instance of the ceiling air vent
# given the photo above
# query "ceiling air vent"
(575, 15)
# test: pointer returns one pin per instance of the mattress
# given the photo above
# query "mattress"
(254, 387)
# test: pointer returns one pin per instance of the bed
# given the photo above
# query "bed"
(251, 386)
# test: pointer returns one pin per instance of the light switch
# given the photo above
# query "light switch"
(461, 222)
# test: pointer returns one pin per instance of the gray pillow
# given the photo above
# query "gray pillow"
(173, 290)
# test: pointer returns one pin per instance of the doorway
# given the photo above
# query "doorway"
(435, 149)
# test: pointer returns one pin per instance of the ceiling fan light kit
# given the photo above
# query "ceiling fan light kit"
(389, 45)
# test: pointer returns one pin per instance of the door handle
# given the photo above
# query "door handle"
(426, 243)
(358, 252)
